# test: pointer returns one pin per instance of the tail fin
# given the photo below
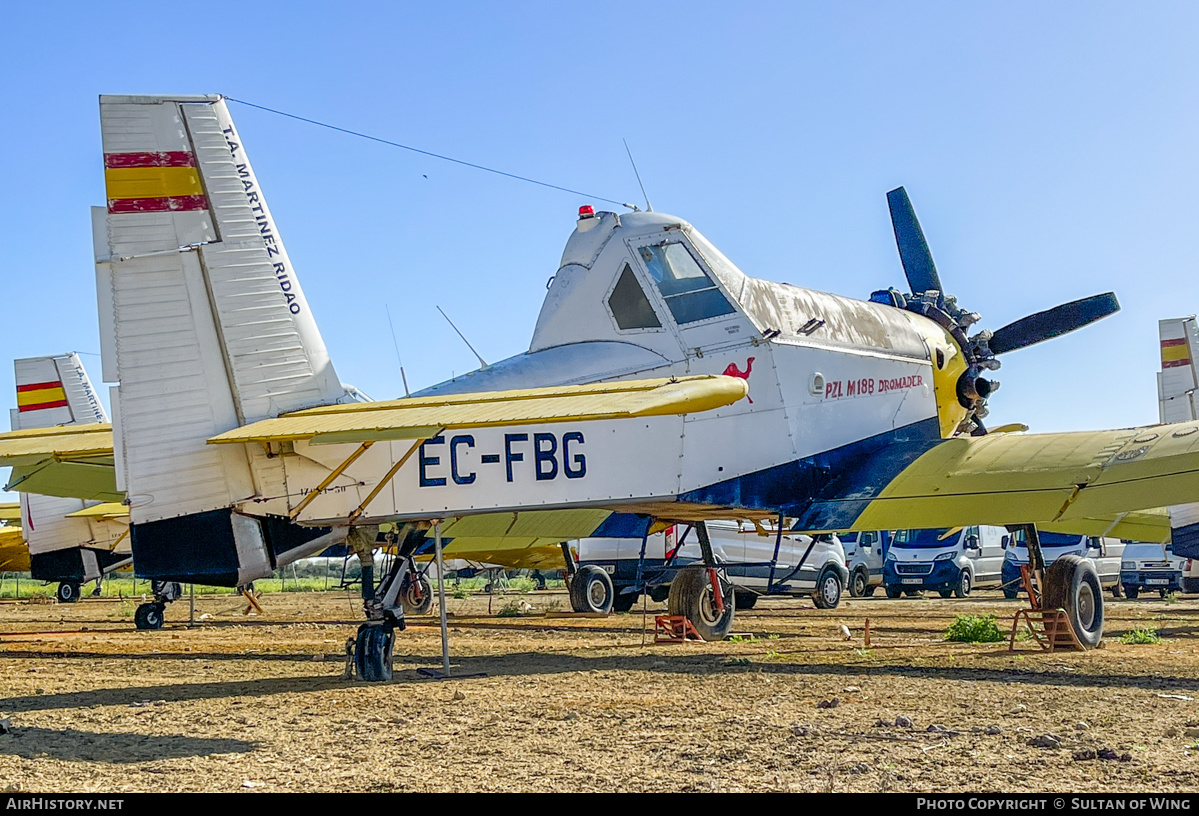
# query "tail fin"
(1177, 380)
(203, 321)
(1176, 383)
(55, 391)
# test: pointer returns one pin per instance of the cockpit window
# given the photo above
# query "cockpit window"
(689, 292)
(629, 305)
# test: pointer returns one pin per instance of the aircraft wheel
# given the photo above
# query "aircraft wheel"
(68, 592)
(625, 601)
(893, 592)
(1072, 584)
(691, 596)
(591, 590)
(417, 597)
(372, 654)
(828, 590)
(1132, 592)
(964, 584)
(149, 616)
(746, 600)
(859, 584)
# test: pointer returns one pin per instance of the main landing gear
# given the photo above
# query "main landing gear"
(704, 595)
(150, 615)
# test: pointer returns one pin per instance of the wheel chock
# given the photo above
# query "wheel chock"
(674, 629)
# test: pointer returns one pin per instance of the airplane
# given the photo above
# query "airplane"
(71, 540)
(237, 444)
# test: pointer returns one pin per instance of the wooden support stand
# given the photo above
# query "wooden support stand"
(1050, 628)
(674, 629)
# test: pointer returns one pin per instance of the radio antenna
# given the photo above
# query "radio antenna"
(395, 343)
(482, 362)
(648, 207)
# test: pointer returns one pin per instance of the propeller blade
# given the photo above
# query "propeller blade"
(1053, 322)
(917, 261)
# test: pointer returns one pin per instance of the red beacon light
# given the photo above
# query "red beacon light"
(586, 211)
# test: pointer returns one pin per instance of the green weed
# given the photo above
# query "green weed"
(1141, 636)
(974, 629)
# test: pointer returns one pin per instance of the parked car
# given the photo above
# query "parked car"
(953, 562)
(1146, 567)
(805, 566)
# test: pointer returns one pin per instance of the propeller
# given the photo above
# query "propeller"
(980, 350)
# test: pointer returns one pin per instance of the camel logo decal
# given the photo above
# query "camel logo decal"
(733, 371)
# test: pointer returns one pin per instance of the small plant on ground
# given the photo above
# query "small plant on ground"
(974, 629)
(509, 610)
(1172, 598)
(741, 638)
(461, 592)
(1140, 636)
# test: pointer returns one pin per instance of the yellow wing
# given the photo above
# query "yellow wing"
(14, 554)
(424, 418)
(10, 512)
(73, 461)
(1013, 478)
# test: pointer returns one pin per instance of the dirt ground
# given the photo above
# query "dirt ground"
(259, 703)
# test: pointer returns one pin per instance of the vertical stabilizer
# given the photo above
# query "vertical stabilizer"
(1176, 384)
(209, 327)
(1177, 380)
(54, 391)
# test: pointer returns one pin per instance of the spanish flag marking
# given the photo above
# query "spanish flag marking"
(36, 396)
(1175, 353)
(153, 182)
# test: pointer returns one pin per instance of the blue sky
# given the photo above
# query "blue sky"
(1049, 149)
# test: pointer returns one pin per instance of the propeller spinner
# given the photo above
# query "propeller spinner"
(980, 350)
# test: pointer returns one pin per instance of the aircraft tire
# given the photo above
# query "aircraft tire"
(828, 590)
(691, 597)
(414, 605)
(373, 652)
(68, 592)
(591, 590)
(149, 616)
(1072, 584)
(625, 601)
(859, 583)
(746, 600)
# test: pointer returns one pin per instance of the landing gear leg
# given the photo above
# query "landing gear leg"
(704, 596)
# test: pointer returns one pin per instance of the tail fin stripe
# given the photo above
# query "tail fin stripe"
(62, 403)
(161, 204)
(171, 158)
(38, 386)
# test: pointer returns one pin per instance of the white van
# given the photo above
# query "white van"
(864, 553)
(953, 562)
(1149, 567)
(806, 566)
(1104, 553)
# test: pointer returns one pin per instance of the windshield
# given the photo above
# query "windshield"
(1145, 552)
(915, 539)
(1048, 540)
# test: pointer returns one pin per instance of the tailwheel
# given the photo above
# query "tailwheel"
(68, 592)
(417, 596)
(691, 595)
(149, 616)
(372, 652)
